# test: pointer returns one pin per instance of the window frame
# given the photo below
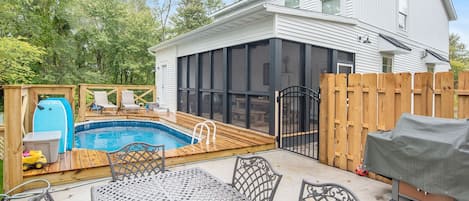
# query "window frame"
(383, 69)
(339, 9)
(296, 5)
(405, 14)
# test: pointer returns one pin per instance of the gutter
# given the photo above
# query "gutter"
(450, 10)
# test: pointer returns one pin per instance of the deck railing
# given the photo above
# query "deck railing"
(142, 94)
(354, 105)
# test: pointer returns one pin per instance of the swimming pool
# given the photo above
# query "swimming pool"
(111, 135)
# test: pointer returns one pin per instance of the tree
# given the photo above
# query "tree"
(190, 15)
(213, 5)
(458, 55)
(15, 58)
(161, 12)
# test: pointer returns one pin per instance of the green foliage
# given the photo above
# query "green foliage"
(190, 15)
(213, 5)
(458, 54)
(15, 58)
(90, 41)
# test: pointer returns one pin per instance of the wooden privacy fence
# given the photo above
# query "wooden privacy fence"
(19, 104)
(353, 106)
(142, 94)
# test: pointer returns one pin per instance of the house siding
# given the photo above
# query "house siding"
(168, 57)
(312, 5)
(345, 37)
(250, 29)
(317, 32)
(427, 22)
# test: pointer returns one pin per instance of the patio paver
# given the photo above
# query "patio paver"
(294, 167)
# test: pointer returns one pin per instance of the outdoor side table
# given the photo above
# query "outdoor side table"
(191, 184)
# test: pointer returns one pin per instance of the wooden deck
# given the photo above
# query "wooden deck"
(81, 164)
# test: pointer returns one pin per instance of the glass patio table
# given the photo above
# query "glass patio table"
(191, 184)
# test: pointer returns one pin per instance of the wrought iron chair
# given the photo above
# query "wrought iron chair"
(255, 178)
(325, 192)
(136, 160)
(42, 195)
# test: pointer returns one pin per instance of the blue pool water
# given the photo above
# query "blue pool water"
(112, 135)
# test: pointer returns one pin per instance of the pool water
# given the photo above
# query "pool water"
(112, 136)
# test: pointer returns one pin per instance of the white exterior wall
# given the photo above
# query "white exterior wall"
(168, 57)
(427, 20)
(317, 32)
(345, 37)
(246, 31)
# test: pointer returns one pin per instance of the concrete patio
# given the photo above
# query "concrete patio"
(294, 168)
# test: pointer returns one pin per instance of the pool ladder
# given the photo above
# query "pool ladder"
(203, 125)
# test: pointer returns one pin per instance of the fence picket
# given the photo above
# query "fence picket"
(423, 94)
(341, 118)
(463, 95)
(403, 92)
(444, 95)
(386, 94)
(323, 117)
(355, 120)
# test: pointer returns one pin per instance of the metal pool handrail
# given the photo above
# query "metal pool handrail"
(203, 125)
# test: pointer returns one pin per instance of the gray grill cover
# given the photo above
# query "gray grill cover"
(429, 153)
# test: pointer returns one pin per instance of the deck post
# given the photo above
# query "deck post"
(82, 102)
(12, 170)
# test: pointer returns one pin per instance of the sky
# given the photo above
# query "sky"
(461, 25)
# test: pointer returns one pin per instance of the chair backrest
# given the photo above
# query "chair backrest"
(136, 160)
(255, 178)
(100, 97)
(325, 192)
(128, 97)
(43, 195)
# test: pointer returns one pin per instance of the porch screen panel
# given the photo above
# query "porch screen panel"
(192, 104)
(192, 71)
(182, 105)
(182, 72)
(320, 60)
(237, 68)
(205, 68)
(259, 113)
(218, 69)
(205, 98)
(238, 110)
(292, 59)
(259, 66)
(217, 106)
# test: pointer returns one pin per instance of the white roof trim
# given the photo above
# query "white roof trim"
(386, 47)
(173, 41)
(261, 7)
(450, 10)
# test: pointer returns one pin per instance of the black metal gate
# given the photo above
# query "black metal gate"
(298, 120)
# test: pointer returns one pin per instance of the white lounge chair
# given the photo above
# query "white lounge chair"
(100, 99)
(128, 101)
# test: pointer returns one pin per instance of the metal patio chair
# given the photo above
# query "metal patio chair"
(136, 160)
(325, 192)
(41, 195)
(255, 178)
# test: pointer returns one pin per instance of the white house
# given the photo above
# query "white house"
(230, 69)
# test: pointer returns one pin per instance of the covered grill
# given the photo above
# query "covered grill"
(429, 153)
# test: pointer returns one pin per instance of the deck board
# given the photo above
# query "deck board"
(80, 164)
